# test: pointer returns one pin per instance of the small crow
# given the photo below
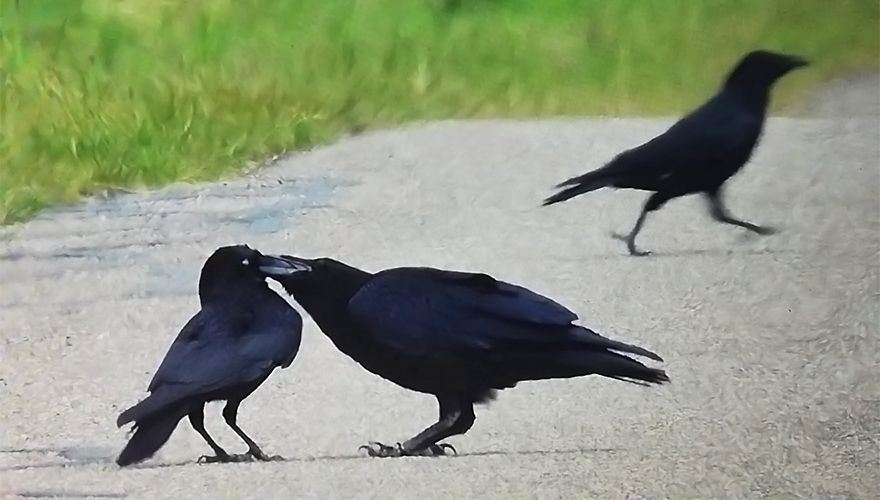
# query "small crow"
(243, 332)
(456, 335)
(699, 152)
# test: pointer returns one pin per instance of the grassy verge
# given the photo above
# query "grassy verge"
(102, 94)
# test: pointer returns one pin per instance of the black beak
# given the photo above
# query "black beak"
(275, 265)
(798, 62)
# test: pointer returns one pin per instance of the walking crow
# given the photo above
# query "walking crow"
(700, 151)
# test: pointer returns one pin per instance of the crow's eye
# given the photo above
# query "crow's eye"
(245, 262)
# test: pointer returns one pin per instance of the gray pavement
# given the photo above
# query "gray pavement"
(772, 344)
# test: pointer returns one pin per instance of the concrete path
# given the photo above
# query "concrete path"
(772, 344)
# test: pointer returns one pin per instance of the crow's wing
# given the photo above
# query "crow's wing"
(430, 312)
(221, 348)
(719, 132)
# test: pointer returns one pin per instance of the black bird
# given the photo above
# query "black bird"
(243, 331)
(700, 151)
(459, 336)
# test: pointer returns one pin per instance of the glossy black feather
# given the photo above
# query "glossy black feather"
(698, 153)
(459, 336)
(242, 333)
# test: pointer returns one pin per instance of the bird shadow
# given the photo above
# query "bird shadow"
(29, 450)
(694, 252)
(70, 456)
(64, 494)
(559, 451)
(720, 252)
(68, 462)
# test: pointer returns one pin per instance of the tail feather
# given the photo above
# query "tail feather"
(581, 184)
(632, 349)
(587, 336)
(155, 402)
(605, 359)
(149, 436)
(578, 179)
(626, 369)
(572, 361)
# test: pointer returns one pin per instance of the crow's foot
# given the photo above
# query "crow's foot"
(435, 450)
(377, 449)
(262, 457)
(630, 245)
(256, 456)
(220, 458)
(764, 230)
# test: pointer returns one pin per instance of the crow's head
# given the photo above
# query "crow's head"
(240, 265)
(762, 68)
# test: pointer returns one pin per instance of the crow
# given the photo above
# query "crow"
(243, 331)
(459, 336)
(700, 151)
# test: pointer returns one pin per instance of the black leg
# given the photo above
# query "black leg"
(719, 213)
(462, 416)
(456, 417)
(654, 202)
(197, 420)
(230, 414)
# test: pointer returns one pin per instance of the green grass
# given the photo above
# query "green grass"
(106, 94)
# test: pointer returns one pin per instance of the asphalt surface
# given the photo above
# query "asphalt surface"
(771, 343)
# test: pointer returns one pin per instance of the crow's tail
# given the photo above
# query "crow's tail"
(157, 402)
(596, 340)
(150, 434)
(620, 367)
(603, 359)
(581, 184)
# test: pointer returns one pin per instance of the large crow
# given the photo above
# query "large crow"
(243, 332)
(699, 152)
(459, 336)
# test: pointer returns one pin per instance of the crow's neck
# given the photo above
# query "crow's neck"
(752, 92)
(326, 300)
(230, 291)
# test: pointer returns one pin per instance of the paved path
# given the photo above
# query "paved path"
(772, 344)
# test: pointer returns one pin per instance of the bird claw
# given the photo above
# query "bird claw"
(438, 450)
(765, 230)
(377, 449)
(214, 459)
(630, 245)
(244, 457)
(262, 457)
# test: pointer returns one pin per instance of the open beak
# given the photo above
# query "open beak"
(282, 265)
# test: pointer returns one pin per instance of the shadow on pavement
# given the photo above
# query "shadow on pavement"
(87, 459)
(63, 494)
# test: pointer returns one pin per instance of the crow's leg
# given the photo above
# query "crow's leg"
(456, 417)
(719, 213)
(230, 414)
(654, 202)
(459, 413)
(197, 420)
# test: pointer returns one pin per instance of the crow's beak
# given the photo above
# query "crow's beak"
(275, 265)
(798, 62)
